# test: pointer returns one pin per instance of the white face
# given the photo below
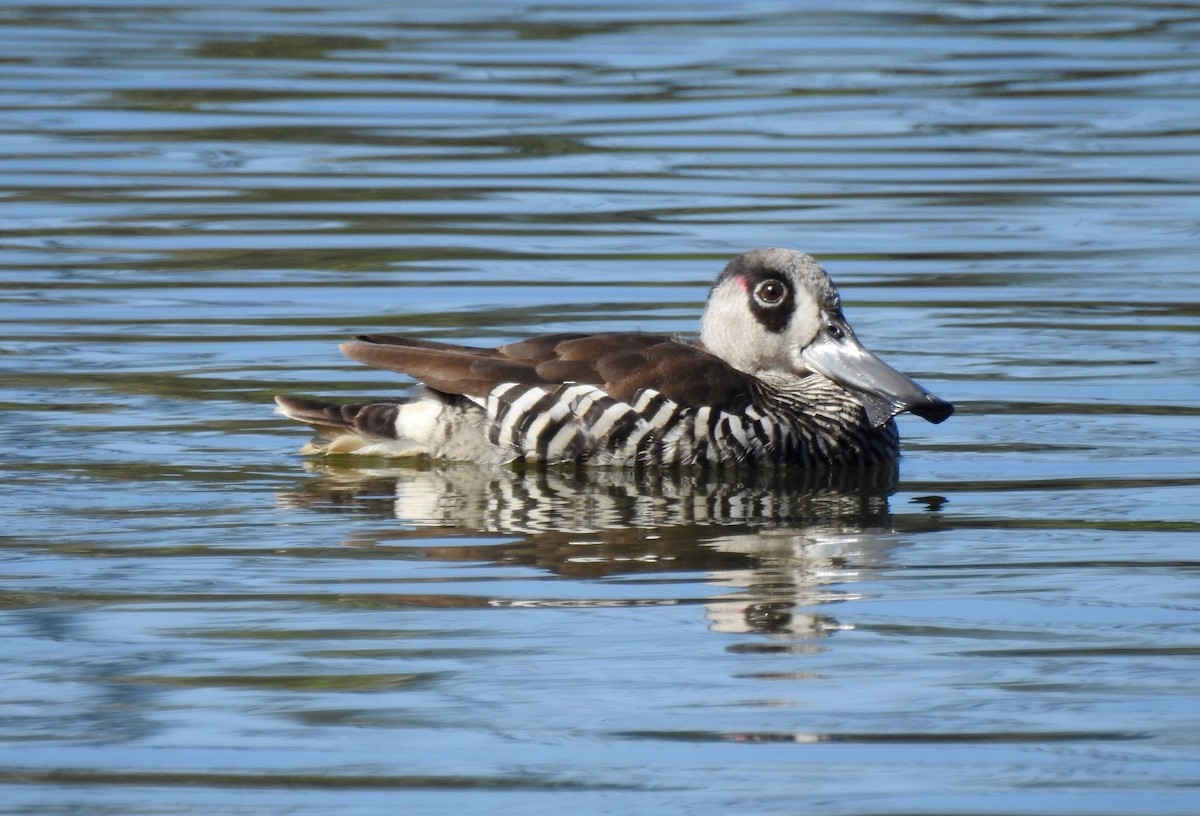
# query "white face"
(775, 312)
(764, 311)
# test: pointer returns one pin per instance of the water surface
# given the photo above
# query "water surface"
(199, 200)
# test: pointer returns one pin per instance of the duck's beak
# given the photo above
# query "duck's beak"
(883, 391)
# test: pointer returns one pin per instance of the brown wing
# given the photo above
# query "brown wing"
(441, 366)
(623, 363)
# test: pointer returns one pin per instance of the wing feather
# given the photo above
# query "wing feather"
(624, 364)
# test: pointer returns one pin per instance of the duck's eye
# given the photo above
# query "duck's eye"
(770, 292)
(835, 331)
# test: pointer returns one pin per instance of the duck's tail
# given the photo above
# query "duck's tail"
(369, 428)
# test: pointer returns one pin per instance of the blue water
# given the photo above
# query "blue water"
(199, 201)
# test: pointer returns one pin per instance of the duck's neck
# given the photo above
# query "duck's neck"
(822, 422)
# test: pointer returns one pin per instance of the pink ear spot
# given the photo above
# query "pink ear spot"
(742, 283)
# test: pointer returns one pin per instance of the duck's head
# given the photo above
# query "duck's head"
(775, 311)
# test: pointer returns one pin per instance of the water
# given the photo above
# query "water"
(198, 201)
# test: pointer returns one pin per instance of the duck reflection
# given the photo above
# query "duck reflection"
(774, 542)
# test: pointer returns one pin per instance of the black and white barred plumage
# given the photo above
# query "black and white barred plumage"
(777, 377)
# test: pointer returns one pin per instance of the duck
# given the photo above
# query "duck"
(776, 377)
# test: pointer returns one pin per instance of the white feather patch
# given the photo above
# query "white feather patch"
(418, 421)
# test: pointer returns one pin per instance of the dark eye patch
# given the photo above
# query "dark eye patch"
(753, 270)
(770, 300)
